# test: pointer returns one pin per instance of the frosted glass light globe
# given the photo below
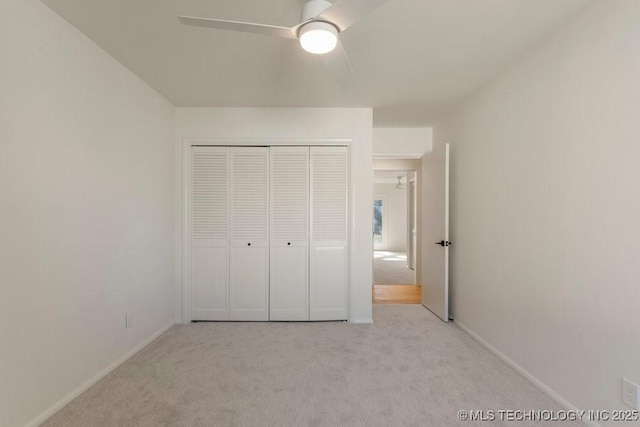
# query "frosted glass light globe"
(318, 37)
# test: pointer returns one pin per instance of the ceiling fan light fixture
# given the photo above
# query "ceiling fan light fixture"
(318, 37)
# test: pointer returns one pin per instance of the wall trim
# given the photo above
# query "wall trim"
(264, 142)
(522, 371)
(397, 156)
(106, 371)
(368, 321)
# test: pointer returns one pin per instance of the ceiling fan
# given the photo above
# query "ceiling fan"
(318, 32)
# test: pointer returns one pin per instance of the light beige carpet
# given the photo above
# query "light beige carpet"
(407, 369)
(390, 268)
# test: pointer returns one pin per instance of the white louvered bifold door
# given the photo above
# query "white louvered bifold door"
(249, 244)
(209, 233)
(328, 257)
(289, 284)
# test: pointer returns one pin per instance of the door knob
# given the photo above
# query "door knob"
(289, 243)
(248, 244)
(443, 243)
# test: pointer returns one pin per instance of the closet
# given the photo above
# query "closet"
(269, 233)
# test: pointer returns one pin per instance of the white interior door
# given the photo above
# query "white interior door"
(249, 243)
(328, 257)
(435, 275)
(413, 230)
(289, 257)
(209, 233)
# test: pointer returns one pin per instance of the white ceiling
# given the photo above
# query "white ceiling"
(413, 58)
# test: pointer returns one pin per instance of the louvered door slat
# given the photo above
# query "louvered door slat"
(250, 193)
(329, 193)
(289, 193)
(209, 193)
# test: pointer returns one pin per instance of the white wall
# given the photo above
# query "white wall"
(302, 124)
(391, 142)
(86, 213)
(396, 214)
(546, 208)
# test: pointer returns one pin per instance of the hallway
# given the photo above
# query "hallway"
(393, 281)
(390, 268)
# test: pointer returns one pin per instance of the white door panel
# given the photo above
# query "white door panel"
(249, 267)
(210, 283)
(209, 233)
(328, 258)
(289, 257)
(328, 275)
(289, 282)
(249, 283)
(413, 233)
(435, 275)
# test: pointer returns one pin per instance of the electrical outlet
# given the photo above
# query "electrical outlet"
(630, 393)
(128, 321)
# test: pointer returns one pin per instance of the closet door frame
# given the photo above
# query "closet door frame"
(188, 143)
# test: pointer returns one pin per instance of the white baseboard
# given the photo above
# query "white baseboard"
(84, 387)
(367, 321)
(528, 375)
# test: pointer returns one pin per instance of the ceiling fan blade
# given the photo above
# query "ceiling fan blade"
(340, 67)
(344, 13)
(245, 27)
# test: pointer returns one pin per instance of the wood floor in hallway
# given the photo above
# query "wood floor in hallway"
(396, 294)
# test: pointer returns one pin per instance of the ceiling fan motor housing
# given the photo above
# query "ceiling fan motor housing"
(313, 8)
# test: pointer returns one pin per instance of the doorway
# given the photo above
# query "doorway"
(379, 222)
(395, 235)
